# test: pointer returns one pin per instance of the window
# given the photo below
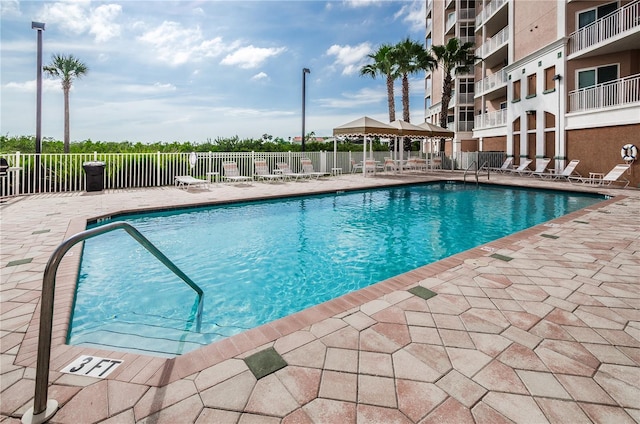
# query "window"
(503, 105)
(600, 75)
(589, 16)
(549, 82)
(516, 91)
(531, 85)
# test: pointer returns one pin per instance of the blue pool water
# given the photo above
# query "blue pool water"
(259, 261)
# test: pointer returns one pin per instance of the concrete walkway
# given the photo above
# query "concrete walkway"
(540, 326)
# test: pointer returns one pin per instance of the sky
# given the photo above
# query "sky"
(193, 71)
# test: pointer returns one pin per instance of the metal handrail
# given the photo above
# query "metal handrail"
(477, 170)
(42, 408)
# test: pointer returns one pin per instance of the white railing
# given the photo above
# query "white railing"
(492, 44)
(488, 10)
(614, 93)
(465, 98)
(466, 14)
(497, 80)
(623, 19)
(495, 118)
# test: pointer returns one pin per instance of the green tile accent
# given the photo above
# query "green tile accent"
(40, 231)
(559, 55)
(20, 262)
(549, 236)
(265, 362)
(501, 257)
(539, 63)
(580, 222)
(422, 292)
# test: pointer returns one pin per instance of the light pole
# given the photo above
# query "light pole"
(39, 27)
(305, 71)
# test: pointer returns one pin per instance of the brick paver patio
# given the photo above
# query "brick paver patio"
(541, 326)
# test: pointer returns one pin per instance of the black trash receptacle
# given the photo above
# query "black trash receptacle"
(95, 175)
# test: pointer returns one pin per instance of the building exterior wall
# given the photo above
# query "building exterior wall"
(598, 149)
(535, 26)
(494, 144)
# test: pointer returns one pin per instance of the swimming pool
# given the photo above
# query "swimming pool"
(259, 261)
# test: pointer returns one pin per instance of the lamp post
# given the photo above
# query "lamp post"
(305, 71)
(39, 27)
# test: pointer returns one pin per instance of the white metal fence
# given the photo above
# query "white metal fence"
(59, 173)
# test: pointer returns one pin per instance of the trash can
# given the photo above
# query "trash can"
(95, 175)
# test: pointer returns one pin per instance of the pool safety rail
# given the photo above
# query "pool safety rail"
(44, 409)
(476, 170)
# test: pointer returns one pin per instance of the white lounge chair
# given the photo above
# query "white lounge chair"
(307, 168)
(506, 165)
(541, 167)
(567, 172)
(262, 172)
(232, 175)
(613, 176)
(286, 172)
(523, 167)
(186, 181)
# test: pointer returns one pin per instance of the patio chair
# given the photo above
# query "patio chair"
(286, 172)
(506, 165)
(389, 164)
(232, 175)
(186, 181)
(523, 167)
(370, 165)
(262, 172)
(307, 168)
(541, 167)
(612, 177)
(355, 167)
(567, 172)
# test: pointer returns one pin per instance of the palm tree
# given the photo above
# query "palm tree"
(67, 68)
(383, 64)
(454, 58)
(410, 58)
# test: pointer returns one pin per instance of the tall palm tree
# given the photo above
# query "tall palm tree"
(383, 65)
(456, 58)
(410, 58)
(67, 68)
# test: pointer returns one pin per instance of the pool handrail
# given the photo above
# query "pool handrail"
(44, 409)
(485, 165)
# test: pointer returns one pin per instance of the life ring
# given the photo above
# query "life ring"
(629, 152)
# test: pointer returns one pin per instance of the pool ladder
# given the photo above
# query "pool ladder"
(476, 171)
(44, 409)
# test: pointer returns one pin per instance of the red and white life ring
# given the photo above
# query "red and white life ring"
(629, 152)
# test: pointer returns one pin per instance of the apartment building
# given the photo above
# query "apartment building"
(557, 79)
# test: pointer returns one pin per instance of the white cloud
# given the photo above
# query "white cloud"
(260, 76)
(48, 85)
(349, 58)
(79, 17)
(413, 14)
(176, 45)
(155, 88)
(360, 3)
(10, 8)
(251, 57)
(365, 96)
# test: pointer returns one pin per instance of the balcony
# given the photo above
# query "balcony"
(621, 92)
(494, 43)
(495, 118)
(450, 24)
(491, 83)
(615, 32)
(464, 99)
(489, 10)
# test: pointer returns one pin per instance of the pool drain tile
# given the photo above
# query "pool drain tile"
(422, 292)
(265, 362)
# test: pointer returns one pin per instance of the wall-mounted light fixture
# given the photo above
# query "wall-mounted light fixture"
(531, 112)
(557, 77)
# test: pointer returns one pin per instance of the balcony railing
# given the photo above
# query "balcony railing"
(492, 44)
(465, 98)
(488, 10)
(623, 19)
(495, 118)
(620, 92)
(491, 82)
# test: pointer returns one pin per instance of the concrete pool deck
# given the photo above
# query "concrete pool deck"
(540, 326)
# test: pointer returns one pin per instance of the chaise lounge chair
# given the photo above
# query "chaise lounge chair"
(613, 176)
(286, 172)
(522, 168)
(232, 175)
(262, 172)
(541, 167)
(186, 181)
(506, 165)
(307, 168)
(567, 172)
